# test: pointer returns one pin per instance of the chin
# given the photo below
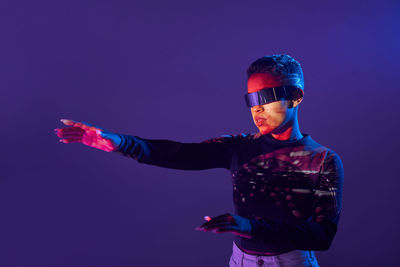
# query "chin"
(264, 131)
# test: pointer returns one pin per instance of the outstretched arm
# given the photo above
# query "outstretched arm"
(212, 153)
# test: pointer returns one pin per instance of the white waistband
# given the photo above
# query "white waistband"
(238, 253)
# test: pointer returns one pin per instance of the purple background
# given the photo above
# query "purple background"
(176, 70)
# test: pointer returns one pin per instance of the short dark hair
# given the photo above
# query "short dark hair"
(278, 65)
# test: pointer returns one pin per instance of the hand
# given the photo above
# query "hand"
(227, 223)
(88, 134)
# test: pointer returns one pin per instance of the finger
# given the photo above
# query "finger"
(211, 223)
(68, 122)
(223, 217)
(238, 233)
(206, 229)
(66, 136)
(219, 229)
(76, 124)
(84, 126)
(232, 229)
(220, 219)
(71, 140)
(216, 225)
(69, 133)
(69, 129)
(61, 133)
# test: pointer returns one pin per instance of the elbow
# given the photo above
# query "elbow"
(326, 241)
(324, 235)
(325, 244)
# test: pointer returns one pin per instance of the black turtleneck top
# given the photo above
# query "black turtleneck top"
(289, 190)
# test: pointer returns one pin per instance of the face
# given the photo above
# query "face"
(272, 117)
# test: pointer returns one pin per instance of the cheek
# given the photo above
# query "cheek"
(277, 107)
(275, 115)
(274, 110)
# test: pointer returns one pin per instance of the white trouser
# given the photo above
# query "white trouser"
(294, 258)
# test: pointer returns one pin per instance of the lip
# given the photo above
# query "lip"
(259, 121)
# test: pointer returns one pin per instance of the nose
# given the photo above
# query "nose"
(258, 108)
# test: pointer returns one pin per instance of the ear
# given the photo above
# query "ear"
(298, 100)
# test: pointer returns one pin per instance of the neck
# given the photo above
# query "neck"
(289, 132)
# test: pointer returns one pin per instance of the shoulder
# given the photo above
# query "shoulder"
(328, 156)
(331, 159)
(313, 145)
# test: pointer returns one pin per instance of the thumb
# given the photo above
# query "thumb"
(103, 134)
(114, 138)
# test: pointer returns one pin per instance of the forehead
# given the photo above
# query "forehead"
(258, 81)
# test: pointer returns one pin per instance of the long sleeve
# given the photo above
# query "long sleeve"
(211, 153)
(318, 231)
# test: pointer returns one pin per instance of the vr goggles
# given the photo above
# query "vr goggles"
(268, 95)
